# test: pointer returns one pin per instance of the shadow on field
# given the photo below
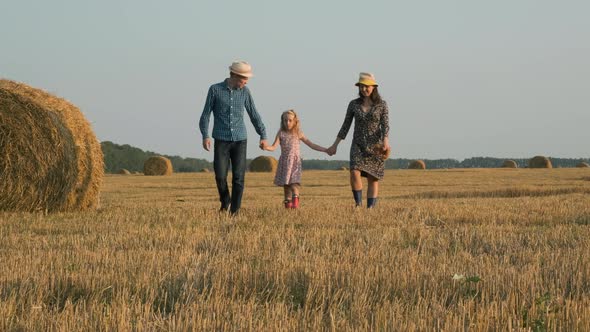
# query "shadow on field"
(327, 185)
(501, 193)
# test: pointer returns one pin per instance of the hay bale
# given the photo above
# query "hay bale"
(263, 164)
(157, 165)
(417, 164)
(540, 162)
(583, 164)
(124, 171)
(205, 170)
(50, 158)
(509, 164)
(344, 168)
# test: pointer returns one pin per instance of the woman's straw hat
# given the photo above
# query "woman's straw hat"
(241, 68)
(366, 79)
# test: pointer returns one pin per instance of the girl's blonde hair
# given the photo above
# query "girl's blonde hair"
(295, 128)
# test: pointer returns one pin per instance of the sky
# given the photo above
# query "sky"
(461, 78)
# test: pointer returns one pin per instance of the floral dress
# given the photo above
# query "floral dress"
(370, 128)
(289, 167)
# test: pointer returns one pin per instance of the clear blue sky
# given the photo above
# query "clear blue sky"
(462, 78)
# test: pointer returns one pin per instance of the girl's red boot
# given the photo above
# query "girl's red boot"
(288, 204)
(295, 202)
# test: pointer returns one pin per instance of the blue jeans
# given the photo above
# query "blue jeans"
(223, 153)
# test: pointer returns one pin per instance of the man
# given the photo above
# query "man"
(227, 101)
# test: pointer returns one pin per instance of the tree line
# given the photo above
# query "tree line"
(117, 157)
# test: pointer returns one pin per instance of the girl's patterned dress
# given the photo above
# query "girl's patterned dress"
(370, 128)
(289, 167)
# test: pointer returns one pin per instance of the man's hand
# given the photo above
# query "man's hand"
(207, 144)
(263, 144)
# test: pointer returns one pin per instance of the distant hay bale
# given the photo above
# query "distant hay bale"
(417, 164)
(157, 165)
(344, 168)
(263, 164)
(540, 162)
(124, 171)
(50, 159)
(509, 164)
(583, 164)
(205, 170)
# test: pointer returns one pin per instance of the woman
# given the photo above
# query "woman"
(370, 142)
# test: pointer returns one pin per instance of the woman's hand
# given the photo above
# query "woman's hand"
(386, 146)
(331, 150)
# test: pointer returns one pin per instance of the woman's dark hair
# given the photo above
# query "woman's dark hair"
(375, 96)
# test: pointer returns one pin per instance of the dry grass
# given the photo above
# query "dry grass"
(157, 256)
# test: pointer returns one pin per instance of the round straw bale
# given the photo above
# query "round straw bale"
(583, 164)
(417, 164)
(157, 165)
(540, 162)
(509, 164)
(344, 168)
(50, 159)
(124, 171)
(263, 164)
(205, 170)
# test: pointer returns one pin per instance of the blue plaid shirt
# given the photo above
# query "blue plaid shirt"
(228, 107)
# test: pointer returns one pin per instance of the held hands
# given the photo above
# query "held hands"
(207, 144)
(331, 150)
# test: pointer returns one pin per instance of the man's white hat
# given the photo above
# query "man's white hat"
(241, 68)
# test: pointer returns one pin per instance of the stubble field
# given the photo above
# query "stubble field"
(478, 249)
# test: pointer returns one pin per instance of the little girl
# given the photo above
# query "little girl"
(289, 167)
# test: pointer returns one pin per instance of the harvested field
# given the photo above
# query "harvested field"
(477, 249)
